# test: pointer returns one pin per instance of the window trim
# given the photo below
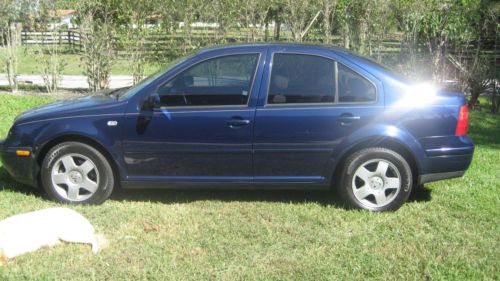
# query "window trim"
(335, 101)
(212, 106)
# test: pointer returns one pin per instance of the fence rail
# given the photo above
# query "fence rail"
(173, 45)
(159, 42)
(70, 37)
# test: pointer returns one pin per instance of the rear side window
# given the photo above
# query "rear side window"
(219, 81)
(297, 78)
(354, 87)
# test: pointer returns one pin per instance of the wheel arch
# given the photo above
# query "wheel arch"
(44, 149)
(384, 142)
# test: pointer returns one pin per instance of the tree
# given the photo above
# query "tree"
(48, 54)
(408, 16)
(492, 32)
(477, 69)
(98, 21)
(9, 32)
(328, 9)
(300, 15)
(443, 23)
(379, 20)
(189, 13)
(347, 19)
(276, 14)
(255, 16)
(135, 14)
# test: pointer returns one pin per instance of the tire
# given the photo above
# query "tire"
(76, 173)
(375, 179)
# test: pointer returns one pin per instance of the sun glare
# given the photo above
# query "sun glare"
(418, 95)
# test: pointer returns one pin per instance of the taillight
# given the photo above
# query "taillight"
(463, 121)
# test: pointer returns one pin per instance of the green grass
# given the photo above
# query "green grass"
(450, 230)
(28, 64)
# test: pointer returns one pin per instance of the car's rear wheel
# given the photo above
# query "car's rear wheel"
(76, 173)
(376, 179)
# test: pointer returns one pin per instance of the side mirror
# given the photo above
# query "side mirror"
(150, 102)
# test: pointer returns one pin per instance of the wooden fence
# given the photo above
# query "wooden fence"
(71, 38)
(168, 44)
(158, 45)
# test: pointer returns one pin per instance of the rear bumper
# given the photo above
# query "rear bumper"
(439, 176)
(445, 157)
(22, 169)
(446, 166)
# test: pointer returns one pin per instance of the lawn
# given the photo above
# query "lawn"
(450, 230)
(28, 64)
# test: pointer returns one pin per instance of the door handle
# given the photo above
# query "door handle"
(237, 122)
(347, 119)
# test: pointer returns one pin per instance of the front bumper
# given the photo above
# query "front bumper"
(22, 169)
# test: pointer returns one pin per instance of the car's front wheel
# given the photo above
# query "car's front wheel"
(376, 179)
(76, 173)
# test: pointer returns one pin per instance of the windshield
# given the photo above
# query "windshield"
(141, 85)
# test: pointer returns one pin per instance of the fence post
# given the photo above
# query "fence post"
(79, 40)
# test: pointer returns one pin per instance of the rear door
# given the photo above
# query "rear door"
(309, 103)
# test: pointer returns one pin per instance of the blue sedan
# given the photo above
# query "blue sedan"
(263, 116)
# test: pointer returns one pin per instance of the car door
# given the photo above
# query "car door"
(201, 127)
(309, 103)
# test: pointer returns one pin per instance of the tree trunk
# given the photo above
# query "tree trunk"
(12, 55)
(326, 23)
(495, 98)
(347, 38)
(277, 29)
(266, 30)
(475, 91)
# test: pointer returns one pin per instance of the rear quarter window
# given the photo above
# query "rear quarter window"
(353, 87)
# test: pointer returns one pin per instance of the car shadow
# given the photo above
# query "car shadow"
(322, 197)
(8, 183)
(420, 193)
(168, 196)
(174, 196)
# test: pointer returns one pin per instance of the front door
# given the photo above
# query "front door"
(201, 128)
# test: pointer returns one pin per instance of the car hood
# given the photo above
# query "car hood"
(89, 105)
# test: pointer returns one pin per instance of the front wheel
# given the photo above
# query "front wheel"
(76, 173)
(376, 179)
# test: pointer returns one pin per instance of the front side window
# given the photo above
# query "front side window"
(219, 81)
(354, 87)
(297, 78)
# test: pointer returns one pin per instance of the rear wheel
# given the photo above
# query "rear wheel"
(76, 173)
(376, 179)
